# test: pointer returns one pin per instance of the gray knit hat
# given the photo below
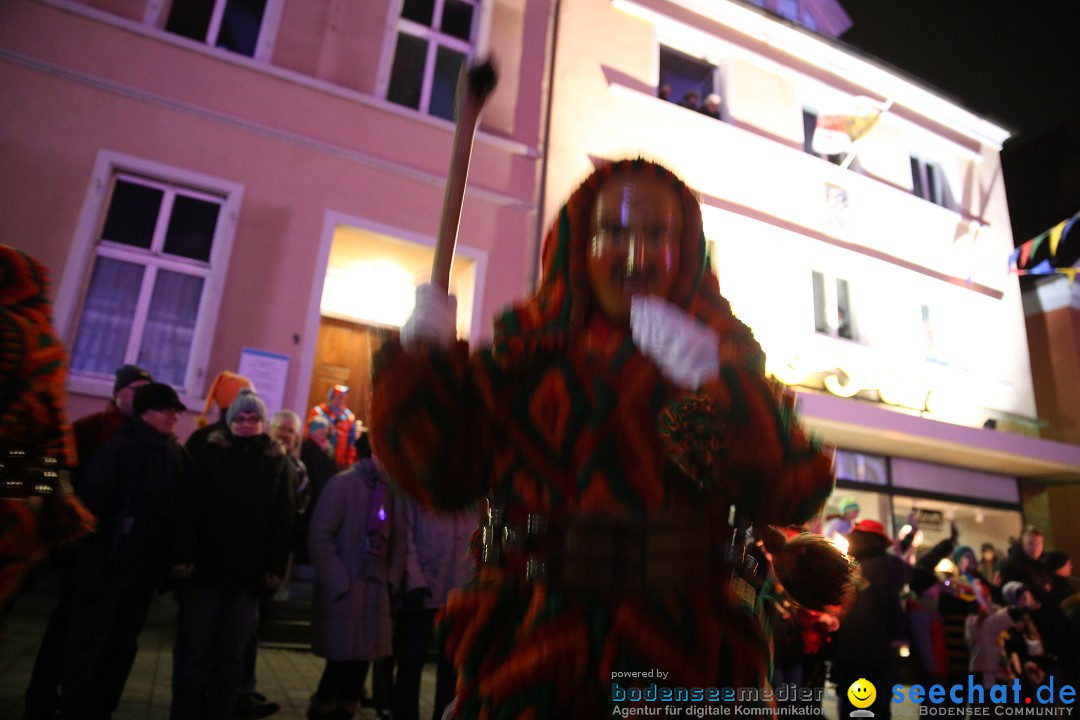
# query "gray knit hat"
(246, 402)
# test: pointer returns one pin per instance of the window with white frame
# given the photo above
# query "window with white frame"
(434, 38)
(155, 269)
(832, 306)
(928, 181)
(241, 26)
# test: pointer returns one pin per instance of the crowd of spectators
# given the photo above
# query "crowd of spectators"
(222, 522)
(955, 613)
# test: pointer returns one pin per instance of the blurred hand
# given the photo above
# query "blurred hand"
(830, 622)
(686, 351)
(433, 320)
(272, 582)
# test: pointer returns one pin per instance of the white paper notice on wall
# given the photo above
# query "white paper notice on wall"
(269, 371)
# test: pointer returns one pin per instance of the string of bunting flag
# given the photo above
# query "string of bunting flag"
(1046, 253)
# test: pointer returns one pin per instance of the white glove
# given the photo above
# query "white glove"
(433, 320)
(686, 351)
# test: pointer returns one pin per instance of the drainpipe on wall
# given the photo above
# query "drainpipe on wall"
(545, 139)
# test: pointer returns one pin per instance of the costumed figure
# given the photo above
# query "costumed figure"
(840, 525)
(620, 415)
(36, 441)
(342, 422)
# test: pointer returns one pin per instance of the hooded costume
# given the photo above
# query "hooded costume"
(36, 441)
(608, 548)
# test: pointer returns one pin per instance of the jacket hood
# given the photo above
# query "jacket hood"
(563, 303)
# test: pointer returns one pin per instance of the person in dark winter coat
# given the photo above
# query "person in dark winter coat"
(863, 646)
(91, 432)
(357, 545)
(226, 386)
(1022, 565)
(251, 704)
(233, 545)
(131, 486)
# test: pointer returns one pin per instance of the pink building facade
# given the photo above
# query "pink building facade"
(192, 174)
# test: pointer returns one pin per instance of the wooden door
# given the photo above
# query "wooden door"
(343, 357)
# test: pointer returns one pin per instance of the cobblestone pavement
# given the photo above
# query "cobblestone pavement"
(285, 676)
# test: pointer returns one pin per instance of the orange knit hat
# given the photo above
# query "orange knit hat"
(223, 391)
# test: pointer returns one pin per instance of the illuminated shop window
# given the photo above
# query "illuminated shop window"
(860, 467)
(433, 38)
(977, 524)
(832, 306)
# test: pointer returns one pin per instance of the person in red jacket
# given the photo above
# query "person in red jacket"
(342, 423)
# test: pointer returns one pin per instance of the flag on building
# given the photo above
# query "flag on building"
(1052, 252)
(837, 129)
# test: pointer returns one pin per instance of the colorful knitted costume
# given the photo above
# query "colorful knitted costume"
(33, 418)
(563, 415)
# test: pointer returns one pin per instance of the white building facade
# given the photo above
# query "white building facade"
(876, 283)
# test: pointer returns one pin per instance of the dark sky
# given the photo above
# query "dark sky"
(1017, 63)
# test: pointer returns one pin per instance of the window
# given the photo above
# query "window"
(788, 9)
(155, 265)
(688, 80)
(832, 306)
(928, 181)
(860, 467)
(434, 39)
(236, 25)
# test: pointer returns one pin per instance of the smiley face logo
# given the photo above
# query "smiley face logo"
(862, 693)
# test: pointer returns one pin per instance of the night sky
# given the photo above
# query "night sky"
(1015, 63)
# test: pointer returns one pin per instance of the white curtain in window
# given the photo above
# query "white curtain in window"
(170, 326)
(107, 317)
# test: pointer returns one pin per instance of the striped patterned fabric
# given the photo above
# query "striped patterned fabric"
(562, 415)
(33, 418)
(33, 365)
